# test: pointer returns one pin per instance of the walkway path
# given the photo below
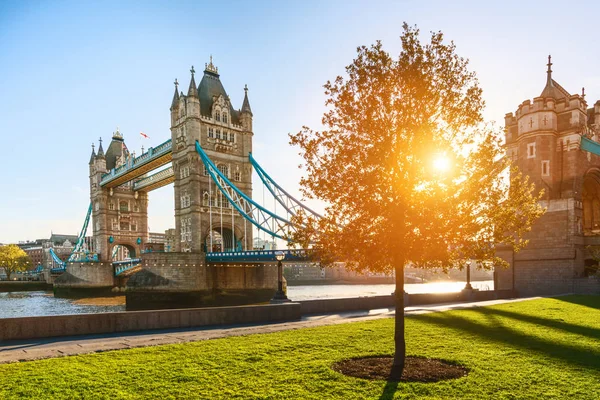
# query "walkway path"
(34, 349)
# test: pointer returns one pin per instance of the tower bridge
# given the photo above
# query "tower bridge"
(208, 159)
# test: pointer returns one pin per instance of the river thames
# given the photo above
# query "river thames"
(40, 303)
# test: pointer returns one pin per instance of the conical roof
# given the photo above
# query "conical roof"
(100, 149)
(246, 105)
(116, 149)
(211, 88)
(192, 91)
(93, 156)
(552, 88)
(175, 101)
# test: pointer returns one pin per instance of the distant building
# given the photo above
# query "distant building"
(262, 244)
(170, 239)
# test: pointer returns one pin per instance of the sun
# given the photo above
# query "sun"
(441, 163)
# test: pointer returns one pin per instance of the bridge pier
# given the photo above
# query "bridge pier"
(85, 279)
(181, 280)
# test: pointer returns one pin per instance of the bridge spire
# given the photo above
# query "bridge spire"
(175, 101)
(100, 149)
(93, 156)
(193, 90)
(246, 105)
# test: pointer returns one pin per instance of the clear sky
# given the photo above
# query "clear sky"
(72, 71)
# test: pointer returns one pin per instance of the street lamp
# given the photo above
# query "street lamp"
(468, 285)
(280, 296)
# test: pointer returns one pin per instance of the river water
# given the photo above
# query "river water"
(29, 304)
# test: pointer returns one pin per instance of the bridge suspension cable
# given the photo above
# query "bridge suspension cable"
(289, 202)
(254, 213)
(78, 245)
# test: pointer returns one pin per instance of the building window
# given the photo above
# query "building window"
(124, 226)
(218, 116)
(225, 117)
(123, 206)
(237, 176)
(111, 206)
(211, 133)
(115, 225)
(546, 168)
(218, 134)
(224, 170)
(531, 150)
(185, 200)
(231, 137)
(224, 201)
(205, 199)
(184, 171)
(136, 208)
(133, 226)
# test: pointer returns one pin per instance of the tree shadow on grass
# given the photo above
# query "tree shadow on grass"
(587, 301)
(388, 390)
(498, 332)
(593, 333)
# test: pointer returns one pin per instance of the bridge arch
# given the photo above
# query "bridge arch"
(120, 251)
(224, 238)
(591, 202)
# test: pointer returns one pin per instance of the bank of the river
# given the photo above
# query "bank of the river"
(23, 286)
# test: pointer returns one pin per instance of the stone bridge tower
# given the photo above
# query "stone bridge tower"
(203, 217)
(120, 214)
(543, 141)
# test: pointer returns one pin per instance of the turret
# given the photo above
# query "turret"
(175, 104)
(192, 100)
(246, 112)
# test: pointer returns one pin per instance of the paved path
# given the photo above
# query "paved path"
(34, 349)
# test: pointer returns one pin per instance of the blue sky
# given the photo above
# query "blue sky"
(72, 71)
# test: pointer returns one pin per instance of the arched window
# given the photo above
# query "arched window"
(224, 169)
(218, 116)
(205, 199)
(225, 117)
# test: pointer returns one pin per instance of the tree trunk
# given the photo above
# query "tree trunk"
(399, 342)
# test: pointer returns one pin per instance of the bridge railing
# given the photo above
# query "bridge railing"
(153, 152)
(259, 255)
(122, 266)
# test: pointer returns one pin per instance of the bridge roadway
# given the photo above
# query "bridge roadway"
(35, 349)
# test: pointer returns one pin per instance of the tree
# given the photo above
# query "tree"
(13, 259)
(410, 172)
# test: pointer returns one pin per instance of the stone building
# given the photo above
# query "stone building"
(543, 140)
(203, 216)
(120, 214)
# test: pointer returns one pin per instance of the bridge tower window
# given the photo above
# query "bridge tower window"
(124, 226)
(123, 206)
(237, 176)
(211, 133)
(218, 116)
(218, 134)
(224, 170)
(111, 206)
(225, 117)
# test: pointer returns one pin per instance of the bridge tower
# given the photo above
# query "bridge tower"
(543, 141)
(204, 217)
(120, 214)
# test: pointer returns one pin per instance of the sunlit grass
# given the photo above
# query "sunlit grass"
(541, 349)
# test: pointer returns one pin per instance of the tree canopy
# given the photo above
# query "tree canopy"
(13, 259)
(410, 171)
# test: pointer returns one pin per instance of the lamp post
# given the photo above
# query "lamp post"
(280, 296)
(468, 285)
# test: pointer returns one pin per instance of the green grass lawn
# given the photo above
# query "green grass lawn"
(540, 349)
